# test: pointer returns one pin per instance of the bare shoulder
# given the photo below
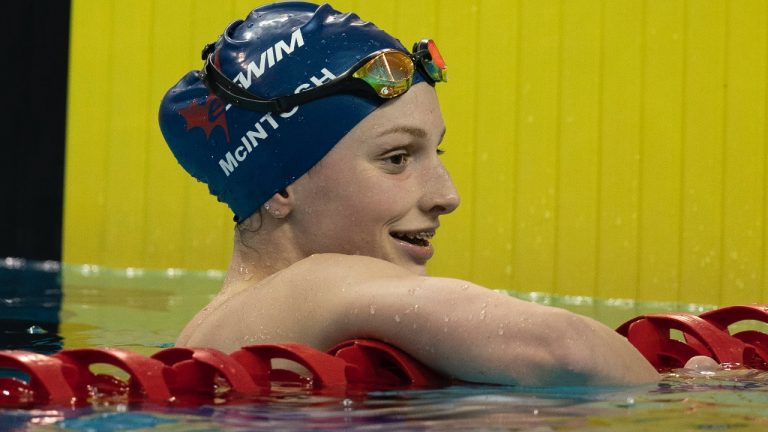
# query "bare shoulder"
(328, 298)
(273, 309)
(338, 278)
(462, 328)
(358, 274)
(349, 282)
(320, 301)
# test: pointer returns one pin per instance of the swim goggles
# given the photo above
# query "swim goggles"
(386, 74)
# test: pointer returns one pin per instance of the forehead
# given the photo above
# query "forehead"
(417, 113)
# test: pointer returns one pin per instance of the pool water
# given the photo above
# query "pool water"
(44, 307)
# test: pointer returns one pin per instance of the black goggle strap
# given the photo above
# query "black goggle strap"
(234, 94)
(420, 54)
(240, 97)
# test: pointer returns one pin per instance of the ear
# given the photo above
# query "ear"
(281, 204)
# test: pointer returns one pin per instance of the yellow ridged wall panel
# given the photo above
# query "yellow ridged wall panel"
(745, 153)
(609, 148)
(493, 188)
(621, 89)
(87, 130)
(660, 156)
(575, 215)
(536, 145)
(702, 149)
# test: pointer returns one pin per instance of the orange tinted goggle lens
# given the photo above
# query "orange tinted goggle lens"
(390, 73)
(435, 66)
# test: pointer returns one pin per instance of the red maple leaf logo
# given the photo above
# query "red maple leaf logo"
(206, 116)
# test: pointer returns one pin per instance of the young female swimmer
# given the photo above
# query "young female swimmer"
(322, 133)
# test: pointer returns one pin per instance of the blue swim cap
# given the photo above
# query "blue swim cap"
(245, 156)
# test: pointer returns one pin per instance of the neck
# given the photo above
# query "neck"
(258, 254)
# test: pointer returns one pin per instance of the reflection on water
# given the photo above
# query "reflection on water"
(30, 299)
(680, 402)
(144, 310)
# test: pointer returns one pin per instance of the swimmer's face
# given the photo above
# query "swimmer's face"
(380, 191)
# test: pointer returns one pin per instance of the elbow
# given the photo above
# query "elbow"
(578, 351)
(570, 357)
(563, 357)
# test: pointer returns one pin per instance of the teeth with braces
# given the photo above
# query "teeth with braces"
(420, 236)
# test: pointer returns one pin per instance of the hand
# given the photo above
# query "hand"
(702, 364)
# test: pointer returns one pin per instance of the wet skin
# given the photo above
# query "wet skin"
(341, 254)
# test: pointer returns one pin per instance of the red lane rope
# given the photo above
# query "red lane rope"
(189, 376)
(706, 334)
(204, 375)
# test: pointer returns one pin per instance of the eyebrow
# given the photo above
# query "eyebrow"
(415, 131)
(411, 130)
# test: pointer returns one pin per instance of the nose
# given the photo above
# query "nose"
(440, 195)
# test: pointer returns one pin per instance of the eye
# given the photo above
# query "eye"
(440, 152)
(398, 159)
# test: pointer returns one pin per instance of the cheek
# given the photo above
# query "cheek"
(365, 198)
(355, 192)
(367, 203)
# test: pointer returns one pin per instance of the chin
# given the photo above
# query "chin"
(415, 268)
(420, 270)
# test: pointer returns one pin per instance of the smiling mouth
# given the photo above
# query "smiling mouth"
(415, 238)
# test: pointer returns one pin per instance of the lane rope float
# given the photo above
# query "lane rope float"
(194, 376)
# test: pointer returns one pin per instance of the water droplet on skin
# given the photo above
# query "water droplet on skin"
(501, 330)
(347, 403)
(415, 308)
(397, 318)
(445, 318)
(465, 287)
(372, 309)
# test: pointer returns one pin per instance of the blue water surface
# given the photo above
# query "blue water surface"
(44, 307)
